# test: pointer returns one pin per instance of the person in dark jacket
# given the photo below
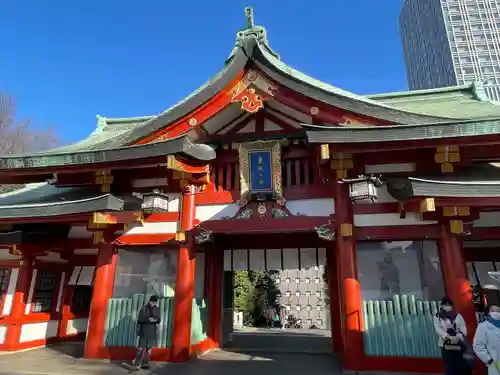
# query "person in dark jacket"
(147, 322)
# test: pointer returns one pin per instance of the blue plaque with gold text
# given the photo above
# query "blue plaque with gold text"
(261, 175)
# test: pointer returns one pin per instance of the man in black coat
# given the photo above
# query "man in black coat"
(147, 322)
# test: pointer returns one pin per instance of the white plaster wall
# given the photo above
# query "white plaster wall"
(173, 202)
(76, 326)
(79, 232)
(38, 331)
(311, 207)
(4, 255)
(390, 219)
(390, 168)
(61, 289)
(199, 276)
(308, 207)
(150, 228)
(11, 290)
(216, 211)
(487, 219)
(31, 291)
(3, 333)
(150, 182)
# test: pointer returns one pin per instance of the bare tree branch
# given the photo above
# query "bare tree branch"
(17, 136)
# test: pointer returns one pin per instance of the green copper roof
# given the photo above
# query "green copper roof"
(401, 133)
(457, 102)
(479, 181)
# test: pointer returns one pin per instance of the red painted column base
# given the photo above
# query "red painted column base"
(103, 290)
(349, 288)
(19, 301)
(184, 286)
(456, 279)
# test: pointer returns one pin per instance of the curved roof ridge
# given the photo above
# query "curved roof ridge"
(389, 113)
(436, 90)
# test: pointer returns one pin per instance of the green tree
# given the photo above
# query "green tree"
(254, 293)
(243, 291)
(17, 136)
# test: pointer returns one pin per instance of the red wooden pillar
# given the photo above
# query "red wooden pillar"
(335, 302)
(455, 276)
(349, 288)
(184, 286)
(19, 301)
(215, 297)
(103, 291)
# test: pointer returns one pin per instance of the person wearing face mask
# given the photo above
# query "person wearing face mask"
(452, 331)
(147, 322)
(487, 341)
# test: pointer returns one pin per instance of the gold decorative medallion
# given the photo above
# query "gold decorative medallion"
(251, 91)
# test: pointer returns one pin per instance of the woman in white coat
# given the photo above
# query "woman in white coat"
(487, 341)
(452, 332)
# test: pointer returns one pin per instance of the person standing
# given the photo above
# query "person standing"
(452, 332)
(270, 316)
(147, 323)
(486, 343)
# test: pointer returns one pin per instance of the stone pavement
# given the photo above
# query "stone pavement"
(242, 359)
(314, 341)
(45, 361)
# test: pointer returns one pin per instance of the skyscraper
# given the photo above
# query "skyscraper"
(451, 42)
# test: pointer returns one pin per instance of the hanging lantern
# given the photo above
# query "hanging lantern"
(154, 202)
(363, 189)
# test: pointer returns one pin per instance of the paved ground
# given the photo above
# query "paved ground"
(261, 353)
(47, 361)
(314, 341)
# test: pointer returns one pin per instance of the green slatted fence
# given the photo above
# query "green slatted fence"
(121, 321)
(400, 327)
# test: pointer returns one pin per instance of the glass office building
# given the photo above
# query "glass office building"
(451, 42)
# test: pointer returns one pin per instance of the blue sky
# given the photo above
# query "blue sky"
(69, 61)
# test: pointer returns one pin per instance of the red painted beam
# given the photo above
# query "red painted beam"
(270, 241)
(256, 226)
(486, 233)
(482, 254)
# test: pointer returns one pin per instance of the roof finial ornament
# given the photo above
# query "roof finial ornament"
(249, 15)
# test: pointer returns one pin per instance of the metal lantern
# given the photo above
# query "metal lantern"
(154, 202)
(363, 189)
